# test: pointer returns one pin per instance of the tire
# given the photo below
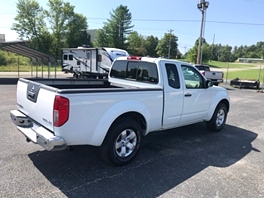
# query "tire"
(218, 119)
(75, 75)
(122, 142)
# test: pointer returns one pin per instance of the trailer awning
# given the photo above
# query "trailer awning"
(21, 48)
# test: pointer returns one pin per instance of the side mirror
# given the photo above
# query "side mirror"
(209, 83)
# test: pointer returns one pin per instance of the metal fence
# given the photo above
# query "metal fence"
(35, 71)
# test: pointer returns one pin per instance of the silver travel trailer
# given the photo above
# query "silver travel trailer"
(90, 62)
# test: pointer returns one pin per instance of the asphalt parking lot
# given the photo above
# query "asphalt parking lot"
(184, 162)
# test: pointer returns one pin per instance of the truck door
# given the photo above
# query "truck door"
(173, 96)
(197, 97)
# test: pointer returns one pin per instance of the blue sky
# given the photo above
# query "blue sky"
(229, 22)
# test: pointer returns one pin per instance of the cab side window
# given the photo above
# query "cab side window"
(192, 78)
(173, 76)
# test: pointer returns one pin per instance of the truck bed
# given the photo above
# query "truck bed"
(68, 83)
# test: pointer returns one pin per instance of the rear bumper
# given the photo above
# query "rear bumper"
(36, 133)
(217, 80)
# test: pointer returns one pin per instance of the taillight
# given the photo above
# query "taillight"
(203, 73)
(60, 111)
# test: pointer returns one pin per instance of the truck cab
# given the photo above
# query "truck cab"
(187, 93)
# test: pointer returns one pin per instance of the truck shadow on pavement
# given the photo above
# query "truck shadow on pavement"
(166, 159)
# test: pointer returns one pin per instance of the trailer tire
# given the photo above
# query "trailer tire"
(218, 119)
(75, 75)
(122, 142)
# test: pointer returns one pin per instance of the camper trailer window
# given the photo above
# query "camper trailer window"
(65, 57)
(70, 57)
(78, 62)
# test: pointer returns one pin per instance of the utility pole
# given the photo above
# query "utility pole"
(170, 31)
(202, 6)
(212, 51)
(213, 39)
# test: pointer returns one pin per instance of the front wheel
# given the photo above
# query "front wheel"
(218, 119)
(122, 142)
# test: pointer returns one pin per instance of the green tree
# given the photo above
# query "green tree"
(77, 31)
(101, 38)
(136, 44)
(151, 45)
(167, 46)
(30, 23)
(214, 52)
(117, 28)
(226, 53)
(252, 54)
(206, 51)
(44, 41)
(59, 14)
(192, 54)
(3, 61)
(261, 53)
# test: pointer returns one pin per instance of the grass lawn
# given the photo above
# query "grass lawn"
(252, 74)
(217, 64)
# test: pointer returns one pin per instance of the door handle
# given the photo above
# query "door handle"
(188, 95)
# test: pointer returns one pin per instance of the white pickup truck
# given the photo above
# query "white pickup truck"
(141, 95)
(215, 76)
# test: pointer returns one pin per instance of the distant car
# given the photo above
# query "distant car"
(215, 76)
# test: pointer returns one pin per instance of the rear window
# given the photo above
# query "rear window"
(135, 70)
(202, 67)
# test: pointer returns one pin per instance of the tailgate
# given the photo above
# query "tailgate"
(36, 101)
(214, 75)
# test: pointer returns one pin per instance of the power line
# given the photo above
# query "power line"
(255, 1)
(236, 23)
(189, 21)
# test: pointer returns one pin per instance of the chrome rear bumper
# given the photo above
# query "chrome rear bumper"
(36, 133)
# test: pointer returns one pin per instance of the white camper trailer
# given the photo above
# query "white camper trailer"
(89, 62)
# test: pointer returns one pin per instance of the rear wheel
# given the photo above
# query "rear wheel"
(122, 142)
(218, 119)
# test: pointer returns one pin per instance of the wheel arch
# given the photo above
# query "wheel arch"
(213, 107)
(135, 116)
(226, 103)
(132, 109)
